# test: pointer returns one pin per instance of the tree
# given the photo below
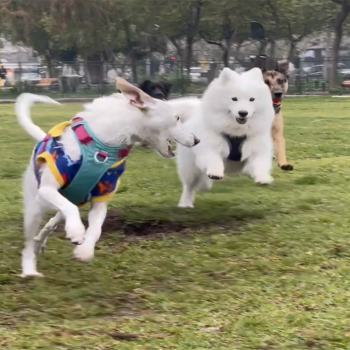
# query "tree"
(339, 20)
(180, 24)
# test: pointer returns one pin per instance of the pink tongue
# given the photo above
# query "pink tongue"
(276, 100)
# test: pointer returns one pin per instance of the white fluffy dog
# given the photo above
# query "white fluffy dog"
(233, 121)
(112, 123)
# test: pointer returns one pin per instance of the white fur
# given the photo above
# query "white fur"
(216, 114)
(184, 106)
(115, 121)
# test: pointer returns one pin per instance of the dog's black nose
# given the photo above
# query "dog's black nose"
(196, 140)
(277, 94)
(242, 113)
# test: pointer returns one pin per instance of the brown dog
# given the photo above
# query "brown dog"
(276, 76)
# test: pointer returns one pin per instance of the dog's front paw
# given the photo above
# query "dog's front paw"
(286, 167)
(264, 180)
(75, 231)
(31, 274)
(215, 175)
(84, 252)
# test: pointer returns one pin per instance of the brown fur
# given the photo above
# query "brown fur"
(276, 78)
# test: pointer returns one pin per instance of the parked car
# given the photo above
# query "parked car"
(318, 70)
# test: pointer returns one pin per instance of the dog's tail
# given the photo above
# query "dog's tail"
(22, 109)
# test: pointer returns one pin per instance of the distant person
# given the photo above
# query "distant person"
(2, 75)
(3, 72)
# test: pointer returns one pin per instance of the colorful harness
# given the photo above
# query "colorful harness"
(95, 176)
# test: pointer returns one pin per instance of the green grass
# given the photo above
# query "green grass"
(251, 268)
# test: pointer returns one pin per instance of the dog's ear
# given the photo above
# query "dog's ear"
(227, 75)
(283, 67)
(146, 86)
(259, 62)
(254, 73)
(137, 97)
(167, 86)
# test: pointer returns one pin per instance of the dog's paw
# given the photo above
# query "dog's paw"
(75, 231)
(185, 205)
(84, 252)
(264, 180)
(215, 176)
(286, 167)
(31, 274)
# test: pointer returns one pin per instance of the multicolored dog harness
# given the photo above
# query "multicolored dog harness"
(95, 176)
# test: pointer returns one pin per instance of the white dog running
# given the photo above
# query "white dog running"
(234, 122)
(115, 123)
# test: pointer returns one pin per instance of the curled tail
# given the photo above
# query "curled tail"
(22, 109)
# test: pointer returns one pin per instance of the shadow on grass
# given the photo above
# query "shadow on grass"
(150, 222)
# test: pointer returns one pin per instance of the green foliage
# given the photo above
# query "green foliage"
(137, 27)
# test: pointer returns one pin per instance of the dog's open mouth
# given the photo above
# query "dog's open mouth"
(241, 120)
(170, 149)
(277, 101)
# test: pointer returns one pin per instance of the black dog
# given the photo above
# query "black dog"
(159, 90)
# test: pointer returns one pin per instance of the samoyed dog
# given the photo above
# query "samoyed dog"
(233, 120)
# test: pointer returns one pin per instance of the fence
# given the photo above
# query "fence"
(72, 79)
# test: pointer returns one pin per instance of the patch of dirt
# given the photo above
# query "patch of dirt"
(153, 229)
(142, 229)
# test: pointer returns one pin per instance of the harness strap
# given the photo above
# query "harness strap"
(82, 135)
(235, 144)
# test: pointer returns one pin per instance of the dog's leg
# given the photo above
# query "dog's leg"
(32, 219)
(48, 191)
(41, 238)
(280, 144)
(212, 164)
(97, 215)
(259, 163)
(188, 194)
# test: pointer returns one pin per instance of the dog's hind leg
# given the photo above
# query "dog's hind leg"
(43, 235)
(187, 196)
(32, 219)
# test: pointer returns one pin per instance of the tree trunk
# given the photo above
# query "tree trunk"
(226, 56)
(95, 68)
(292, 50)
(338, 29)
(262, 48)
(189, 54)
(133, 66)
(86, 72)
(227, 50)
(49, 64)
(273, 48)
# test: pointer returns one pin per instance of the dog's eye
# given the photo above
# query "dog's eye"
(267, 82)
(280, 81)
(252, 99)
(234, 99)
(177, 118)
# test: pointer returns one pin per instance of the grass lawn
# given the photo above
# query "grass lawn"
(249, 268)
